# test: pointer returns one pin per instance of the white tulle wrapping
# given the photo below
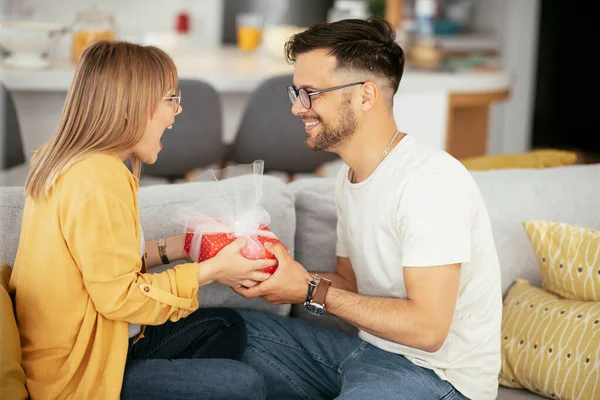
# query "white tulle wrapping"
(237, 213)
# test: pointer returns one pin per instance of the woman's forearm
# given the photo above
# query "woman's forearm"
(174, 249)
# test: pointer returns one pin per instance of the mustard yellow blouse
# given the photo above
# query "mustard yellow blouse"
(79, 281)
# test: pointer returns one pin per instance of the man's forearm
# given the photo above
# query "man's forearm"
(338, 281)
(393, 319)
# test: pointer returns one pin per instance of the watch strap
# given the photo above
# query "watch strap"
(321, 291)
(162, 251)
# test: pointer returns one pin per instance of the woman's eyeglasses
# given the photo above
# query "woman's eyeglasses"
(175, 98)
(306, 96)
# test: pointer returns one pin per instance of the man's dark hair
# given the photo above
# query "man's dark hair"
(358, 45)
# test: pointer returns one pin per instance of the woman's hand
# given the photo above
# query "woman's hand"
(232, 269)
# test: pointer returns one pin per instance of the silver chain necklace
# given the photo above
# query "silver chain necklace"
(385, 153)
(387, 148)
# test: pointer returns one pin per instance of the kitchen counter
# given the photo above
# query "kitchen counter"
(445, 109)
(232, 71)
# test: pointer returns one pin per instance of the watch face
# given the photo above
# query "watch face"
(315, 309)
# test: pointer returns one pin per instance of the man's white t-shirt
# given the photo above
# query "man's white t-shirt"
(422, 208)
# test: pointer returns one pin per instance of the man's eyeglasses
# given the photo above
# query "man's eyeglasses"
(306, 96)
(175, 98)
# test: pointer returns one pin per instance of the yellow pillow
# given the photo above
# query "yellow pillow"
(568, 257)
(12, 377)
(550, 346)
(532, 159)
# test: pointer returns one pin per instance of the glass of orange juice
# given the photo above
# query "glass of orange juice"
(89, 26)
(249, 31)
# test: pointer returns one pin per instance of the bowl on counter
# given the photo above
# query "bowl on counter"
(28, 42)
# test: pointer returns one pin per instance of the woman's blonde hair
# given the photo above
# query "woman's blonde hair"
(115, 89)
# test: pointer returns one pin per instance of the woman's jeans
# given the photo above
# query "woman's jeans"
(197, 357)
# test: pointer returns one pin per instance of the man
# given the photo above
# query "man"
(417, 270)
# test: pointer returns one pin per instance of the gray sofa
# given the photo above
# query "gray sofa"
(303, 216)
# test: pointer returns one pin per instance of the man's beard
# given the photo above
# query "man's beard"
(332, 136)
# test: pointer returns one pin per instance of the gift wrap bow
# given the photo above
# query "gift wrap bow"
(249, 224)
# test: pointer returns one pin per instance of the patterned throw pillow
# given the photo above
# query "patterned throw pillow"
(550, 346)
(568, 257)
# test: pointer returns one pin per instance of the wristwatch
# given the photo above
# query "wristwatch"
(162, 251)
(315, 298)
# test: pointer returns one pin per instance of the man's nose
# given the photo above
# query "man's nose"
(298, 108)
(179, 110)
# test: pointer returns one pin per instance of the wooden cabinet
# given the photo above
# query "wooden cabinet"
(394, 12)
(467, 127)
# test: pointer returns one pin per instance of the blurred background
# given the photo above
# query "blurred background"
(483, 77)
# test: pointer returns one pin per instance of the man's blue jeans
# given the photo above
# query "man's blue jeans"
(197, 357)
(300, 360)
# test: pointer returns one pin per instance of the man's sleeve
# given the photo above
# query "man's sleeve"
(435, 221)
(341, 246)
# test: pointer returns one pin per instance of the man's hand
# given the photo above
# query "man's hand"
(231, 268)
(287, 285)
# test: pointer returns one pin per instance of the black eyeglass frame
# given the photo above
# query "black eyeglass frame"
(292, 91)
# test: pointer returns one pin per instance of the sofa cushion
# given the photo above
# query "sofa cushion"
(316, 220)
(514, 195)
(567, 256)
(12, 376)
(505, 393)
(549, 344)
(158, 209)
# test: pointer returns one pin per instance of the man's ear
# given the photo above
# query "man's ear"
(370, 94)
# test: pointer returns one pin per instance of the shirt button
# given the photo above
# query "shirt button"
(146, 289)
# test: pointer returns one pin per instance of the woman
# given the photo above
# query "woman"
(83, 296)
